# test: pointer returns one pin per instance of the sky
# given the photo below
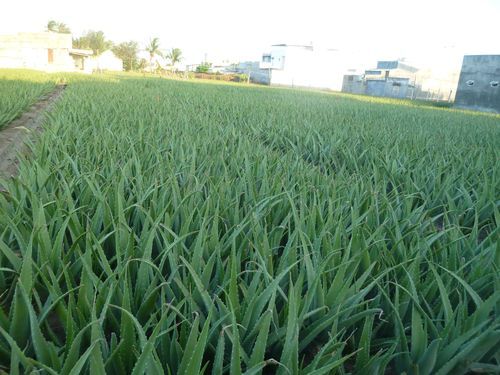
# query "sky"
(422, 31)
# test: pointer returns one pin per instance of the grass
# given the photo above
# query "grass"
(19, 89)
(177, 227)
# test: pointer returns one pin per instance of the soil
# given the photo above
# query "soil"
(14, 135)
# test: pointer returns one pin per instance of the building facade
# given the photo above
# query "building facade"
(393, 79)
(479, 83)
(52, 52)
(47, 51)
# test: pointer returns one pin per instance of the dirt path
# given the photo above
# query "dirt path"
(14, 135)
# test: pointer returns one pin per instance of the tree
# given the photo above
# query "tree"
(58, 27)
(127, 51)
(154, 50)
(52, 26)
(175, 56)
(94, 40)
(203, 67)
(142, 64)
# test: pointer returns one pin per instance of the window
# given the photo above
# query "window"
(50, 55)
(266, 58)
(494, 83)
(470, 82)
(387, 64)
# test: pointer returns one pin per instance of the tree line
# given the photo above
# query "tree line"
(126, 51)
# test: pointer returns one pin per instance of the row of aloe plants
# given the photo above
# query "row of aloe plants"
(21, 88)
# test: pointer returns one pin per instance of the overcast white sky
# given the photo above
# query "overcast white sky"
(419, 30)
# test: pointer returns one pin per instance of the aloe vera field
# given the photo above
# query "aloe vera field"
(182, 227)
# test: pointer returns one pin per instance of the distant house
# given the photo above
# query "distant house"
(82, 60)
(391, 69)
(479, 83)
(305, 66)
(48, 51)
(393, 79)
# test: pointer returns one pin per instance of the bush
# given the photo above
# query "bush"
(203, 68)
(241, 77)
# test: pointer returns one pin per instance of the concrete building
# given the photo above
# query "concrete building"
(82, 60)
(392, 69)
(354, 84)
(479, 83)
(305, 66)
(395, 87)
(393, 79)
(399, 79)
(43, 51)
(52, 52)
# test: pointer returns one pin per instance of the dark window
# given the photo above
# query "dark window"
(50, 55)
(350, 78)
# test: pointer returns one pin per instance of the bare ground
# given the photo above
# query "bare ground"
(14, 135)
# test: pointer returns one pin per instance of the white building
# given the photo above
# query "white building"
(52, 52)
(306, 66)
(82, 60)
(47, 51)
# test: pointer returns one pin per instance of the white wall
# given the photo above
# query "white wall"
(30, 50)
(306, 67)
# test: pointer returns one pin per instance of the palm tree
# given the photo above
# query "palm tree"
(94, 40)
(175, 56)
(52, 26)
(64, 29)
(154, 50)
(58, 27)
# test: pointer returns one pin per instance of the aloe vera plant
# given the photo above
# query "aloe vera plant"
(19, 89)
(178, 227)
